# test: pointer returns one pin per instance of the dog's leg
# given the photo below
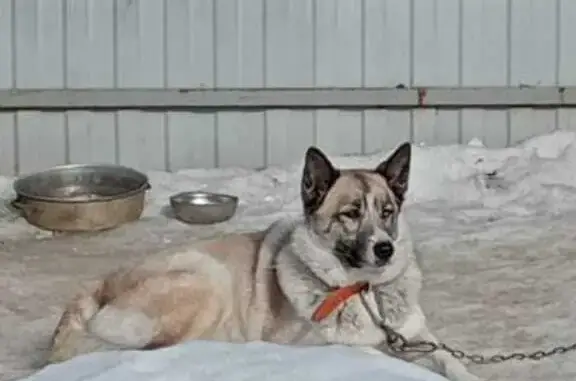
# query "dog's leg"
(70, 337)
(449, 366)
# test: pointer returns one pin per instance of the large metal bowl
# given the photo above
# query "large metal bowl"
(203, 207)
(81, 197)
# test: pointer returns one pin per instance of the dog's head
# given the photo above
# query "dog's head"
(354, 213)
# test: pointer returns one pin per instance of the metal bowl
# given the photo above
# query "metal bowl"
(203, 207)
(82, 183)
(81, 197)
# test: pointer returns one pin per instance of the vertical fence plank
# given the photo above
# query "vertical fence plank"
(385, 129)
(7, 144)
(526, 123)
(339, 132)
(6, 48)
(338, 63)
(90, 64)
(140, 51)
(39, 60)
(290, 132)
(239, 43)
(140, 63)
(289, 47)
(41, 140)
(39, 44)
(490, 126)
(7, 127)
(484, 63)
(533, 43)
(386, 43)
(436, 127)
(190, 43)
(240, 63)
(141, 140)
(91, 137)
(484, 43)
(289, 43)
(436, 34)
(241, 140)
(567, 119)
(191, 49)
(338, 47)
(90, 43)
(567, 59)
(191, 141)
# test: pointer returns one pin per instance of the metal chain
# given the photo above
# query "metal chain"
(399, 343)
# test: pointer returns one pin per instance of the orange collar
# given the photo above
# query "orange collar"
(336, 298)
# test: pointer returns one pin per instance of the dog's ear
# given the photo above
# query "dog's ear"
(318, 177)
(396, 171)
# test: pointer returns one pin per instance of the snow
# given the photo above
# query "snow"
(232, 362)
(495, 229)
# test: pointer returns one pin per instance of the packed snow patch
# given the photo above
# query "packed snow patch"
(215, 361)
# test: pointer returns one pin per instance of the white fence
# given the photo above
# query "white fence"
(255, 44)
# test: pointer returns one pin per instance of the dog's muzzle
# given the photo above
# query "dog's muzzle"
(354, 253)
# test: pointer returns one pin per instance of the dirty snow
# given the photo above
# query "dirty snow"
(496, 229)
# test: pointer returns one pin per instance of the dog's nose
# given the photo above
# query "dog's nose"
(383, 251)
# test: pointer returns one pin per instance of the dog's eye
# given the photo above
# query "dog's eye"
(385, 213)
(353, 214)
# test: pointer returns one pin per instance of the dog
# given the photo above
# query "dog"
(270, 285)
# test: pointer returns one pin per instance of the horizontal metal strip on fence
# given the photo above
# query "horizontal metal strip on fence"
(171, 99)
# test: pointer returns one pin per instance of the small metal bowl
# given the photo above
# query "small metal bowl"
(203, 207)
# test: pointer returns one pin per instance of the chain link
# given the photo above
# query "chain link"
(399, 343)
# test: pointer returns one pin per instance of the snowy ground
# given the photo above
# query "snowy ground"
(497, 250)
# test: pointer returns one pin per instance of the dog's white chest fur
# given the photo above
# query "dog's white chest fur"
(359, 318)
